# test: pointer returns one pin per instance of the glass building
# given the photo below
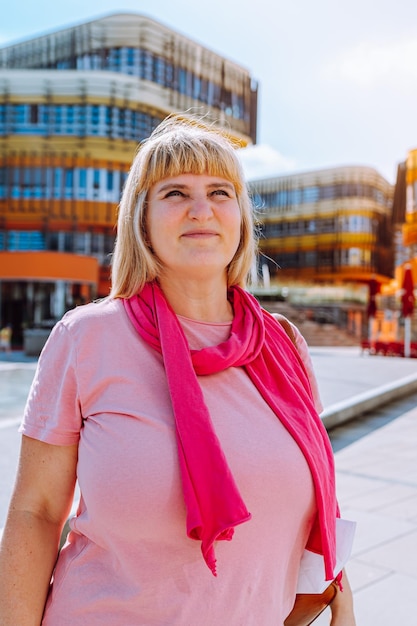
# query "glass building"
(74, 105)
(331, 225)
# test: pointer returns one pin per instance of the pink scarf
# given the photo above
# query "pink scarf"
(259, 344)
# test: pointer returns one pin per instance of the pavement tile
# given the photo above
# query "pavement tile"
(387, 499)
(395, 555)
(391, 601)
(374, 529)
(349, 486)
(363, 574)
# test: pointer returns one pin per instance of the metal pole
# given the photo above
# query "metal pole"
(407, 336)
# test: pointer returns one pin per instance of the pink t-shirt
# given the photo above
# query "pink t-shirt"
(128, 561)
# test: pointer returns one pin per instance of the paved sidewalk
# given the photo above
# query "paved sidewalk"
(376, 467)
(376, 463)
(377, 487)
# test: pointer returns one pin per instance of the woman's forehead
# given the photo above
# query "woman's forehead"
(188, 180)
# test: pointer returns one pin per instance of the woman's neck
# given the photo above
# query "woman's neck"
(199, 300)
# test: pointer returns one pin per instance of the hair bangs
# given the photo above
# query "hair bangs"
(179, 154)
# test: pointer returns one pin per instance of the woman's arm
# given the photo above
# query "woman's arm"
(40, 504)
(342, 605)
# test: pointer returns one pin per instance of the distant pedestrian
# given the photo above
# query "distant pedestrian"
(6, 338)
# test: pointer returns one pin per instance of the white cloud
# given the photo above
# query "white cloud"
(370, 64)
(263, 161)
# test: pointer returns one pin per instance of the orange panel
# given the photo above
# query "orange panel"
(60, 213)
(48, 266)
(104, 283)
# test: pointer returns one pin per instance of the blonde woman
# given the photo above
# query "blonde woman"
(186, 416)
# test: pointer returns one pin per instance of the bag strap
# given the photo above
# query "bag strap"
(286, 325)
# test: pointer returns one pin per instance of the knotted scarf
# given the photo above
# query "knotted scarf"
(214, 506)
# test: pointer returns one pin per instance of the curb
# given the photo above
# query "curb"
(346, 410)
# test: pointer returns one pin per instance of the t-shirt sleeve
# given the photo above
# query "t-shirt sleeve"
(303, 350)
(53, 409)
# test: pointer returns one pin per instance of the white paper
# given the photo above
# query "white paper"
(311, 578)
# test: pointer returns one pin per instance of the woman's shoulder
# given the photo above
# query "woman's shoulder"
(89, 327)
(93, 313)
(99, 318)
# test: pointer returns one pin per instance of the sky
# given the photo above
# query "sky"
(337, 79)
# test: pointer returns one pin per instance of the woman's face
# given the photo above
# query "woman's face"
(193, 224)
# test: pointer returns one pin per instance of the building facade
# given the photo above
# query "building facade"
(74, 105)
(405, 234)
(409, 229)
(329, 226)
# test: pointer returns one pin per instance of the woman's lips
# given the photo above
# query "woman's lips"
(200, 234)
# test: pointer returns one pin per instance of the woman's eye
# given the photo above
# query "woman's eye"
(220, 192)
(174, 192)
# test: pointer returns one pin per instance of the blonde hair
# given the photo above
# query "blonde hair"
(176, 146)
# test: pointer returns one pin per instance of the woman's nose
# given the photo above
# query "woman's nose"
(200, 208)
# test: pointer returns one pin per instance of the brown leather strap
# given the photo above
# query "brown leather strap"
(286, 325)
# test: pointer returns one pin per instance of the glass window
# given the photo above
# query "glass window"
(3, 175)
(146, 65)
(108, 117)
(326, 225)
(22, 240)
(131, 56)
(325, 257)
(196, 87)
(68, 183)
(34, 114)
(20, 113)
(27, 183)
(96, 183)
(311, 194)
(216, 95)
(95, 114)
(123, 177)
(57, 182)
(328, 192)
(44, 114)
(354, 257)
(310, 258)
(182, 80)
(296, 196)
(159, 70)
(80, 183)
(204, 90)
(113, 59)
(96, 241)
(169, 75)
(38, 188)
(15, 182)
